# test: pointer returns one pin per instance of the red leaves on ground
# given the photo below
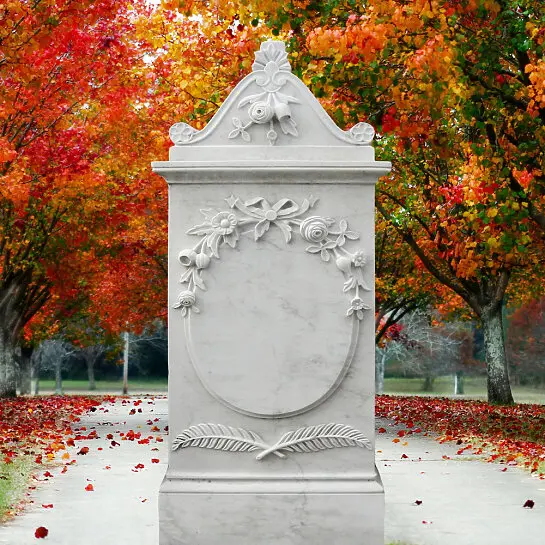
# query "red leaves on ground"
(41, 532)
(83, 450)
(155, 460)
(529, 504)
(89, 488)
(510, 434)
(40, 425)
(47, 505)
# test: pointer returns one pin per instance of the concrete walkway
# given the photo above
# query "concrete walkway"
(464, 501)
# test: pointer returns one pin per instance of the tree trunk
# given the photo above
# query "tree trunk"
(25, 370)
(459, 383)
(428, 383)
(35, 374)
(126, 364)
(379, 372)
(499, 389)
(90, 360)
(58, 377)
(8, 370)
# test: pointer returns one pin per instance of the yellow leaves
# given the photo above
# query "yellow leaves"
(492, 212)
(492, 242)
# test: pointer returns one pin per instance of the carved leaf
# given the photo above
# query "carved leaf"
(313, 249)
(324, 254)
(202, 229)
(321, 437)
(329, 245)
(261, 228)
(199, 282)
(285, 228)
(324, 436)
(249, 99)
(234, 133)
(218, 437)
(186, 276)
(245, 136)
(213, 242)
(288, 126)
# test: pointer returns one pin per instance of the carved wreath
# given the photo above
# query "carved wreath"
(222, 228)
(307, 439)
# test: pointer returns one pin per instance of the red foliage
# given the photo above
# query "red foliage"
(40, 426)
(509, 434)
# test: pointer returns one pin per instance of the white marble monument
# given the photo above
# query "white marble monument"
(271, 322)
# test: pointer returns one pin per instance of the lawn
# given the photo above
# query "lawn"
(136, 386)
(14, 478)
(474, 388)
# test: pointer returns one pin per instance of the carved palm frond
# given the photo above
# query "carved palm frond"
(219, 437)
(321, 437)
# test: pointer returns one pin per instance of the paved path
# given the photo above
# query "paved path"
(464, 500)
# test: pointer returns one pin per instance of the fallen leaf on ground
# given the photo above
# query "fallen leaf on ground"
(529, 504)
(89, 488)
(41, 532)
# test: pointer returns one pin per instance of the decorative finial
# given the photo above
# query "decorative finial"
(271, 51)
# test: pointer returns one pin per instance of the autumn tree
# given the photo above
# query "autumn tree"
(458, 88)
(62, 66)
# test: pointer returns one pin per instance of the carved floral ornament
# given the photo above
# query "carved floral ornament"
(221, 228)
(306, 439)
(271, 108)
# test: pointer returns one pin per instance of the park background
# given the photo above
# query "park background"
(456, 92)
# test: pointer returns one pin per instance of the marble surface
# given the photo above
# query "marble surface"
(271, 323)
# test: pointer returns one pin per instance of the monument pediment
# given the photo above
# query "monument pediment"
(269, 113)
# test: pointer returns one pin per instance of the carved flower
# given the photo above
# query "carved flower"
(359, 259)
(260, 112)
(314, 229)
(357, 307)
(362, 133)
(224, 223)
(181, 133)
(186, 301)
(202, 260)
(187, 257)
(344, 264)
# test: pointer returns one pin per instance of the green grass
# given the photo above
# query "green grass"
(474, 388)
(110, 386)
(13, 482)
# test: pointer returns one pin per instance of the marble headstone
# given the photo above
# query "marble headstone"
(271, 322)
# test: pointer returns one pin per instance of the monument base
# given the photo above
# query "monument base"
(271, 512)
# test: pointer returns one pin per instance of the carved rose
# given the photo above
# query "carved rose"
(359, 259)
(224, 223)
(314, 229)
(186, 299)
(260, 112)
